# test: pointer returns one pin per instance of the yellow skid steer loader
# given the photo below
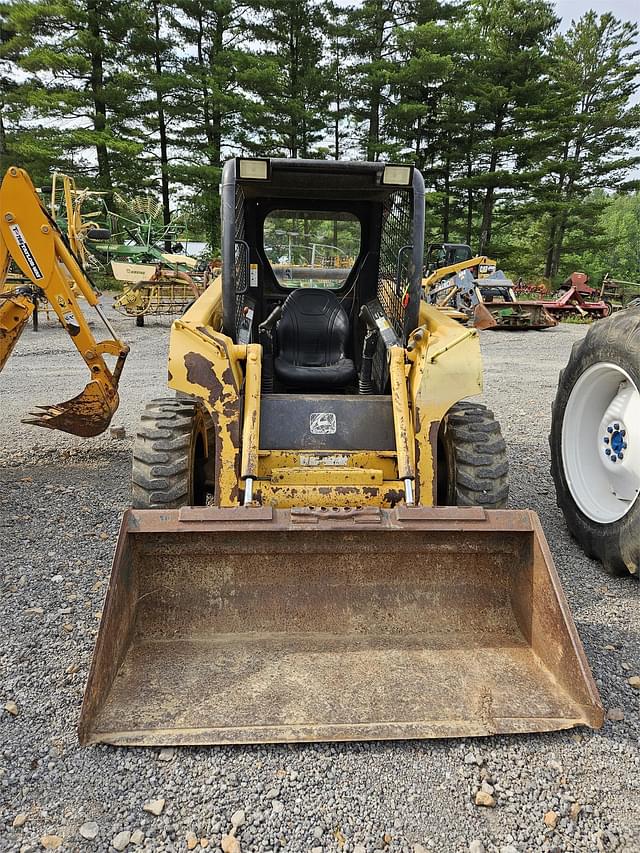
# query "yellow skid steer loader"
(318, 548)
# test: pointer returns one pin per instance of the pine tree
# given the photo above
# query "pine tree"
(209, 99)
(338, 77)
(293, 95)
(154, 62)
(428, 115)
(373, 29)
(73, 51)
(506, 72)
(23, 141)
(593, 125)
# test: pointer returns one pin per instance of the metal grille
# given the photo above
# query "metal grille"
(393, 273)
(241, 277)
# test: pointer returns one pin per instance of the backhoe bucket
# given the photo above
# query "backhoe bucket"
(257, 625)
(87, 414)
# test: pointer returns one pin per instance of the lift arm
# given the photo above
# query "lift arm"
(30, 237)
(444, 272)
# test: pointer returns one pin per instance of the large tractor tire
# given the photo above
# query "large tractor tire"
(595, 442)
(473, 469)
(173, 455)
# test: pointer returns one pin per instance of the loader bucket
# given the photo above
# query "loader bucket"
(483, 318)
(256, 625)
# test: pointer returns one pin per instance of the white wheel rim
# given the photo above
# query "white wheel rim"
(601, 442)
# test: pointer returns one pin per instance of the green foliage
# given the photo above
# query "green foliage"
(526, 134)
(592, 123)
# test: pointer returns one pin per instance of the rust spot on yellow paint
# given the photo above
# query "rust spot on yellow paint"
(393, 497)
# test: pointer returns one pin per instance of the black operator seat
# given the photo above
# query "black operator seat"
(312, 337)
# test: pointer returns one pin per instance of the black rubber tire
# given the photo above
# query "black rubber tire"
(173, 455)
(473, 469)
(98, 234)
(615, 340)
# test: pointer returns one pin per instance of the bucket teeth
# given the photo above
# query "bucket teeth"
(88, 414)
(47, 410)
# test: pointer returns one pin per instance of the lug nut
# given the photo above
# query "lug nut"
(616, 426)
(621, 455)
(613, 458)
(609, 429)
(624, 445)
(608, 451)
(606, 440)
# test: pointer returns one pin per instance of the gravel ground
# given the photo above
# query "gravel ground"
(61, 499)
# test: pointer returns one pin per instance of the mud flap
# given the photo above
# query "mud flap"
(257, 625)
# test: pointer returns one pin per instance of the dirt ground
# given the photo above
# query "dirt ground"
(60, 502)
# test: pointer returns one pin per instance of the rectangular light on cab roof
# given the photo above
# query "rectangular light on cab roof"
(253, 170)
(397, 175)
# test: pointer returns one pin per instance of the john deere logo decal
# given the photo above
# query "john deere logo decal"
(322, 423)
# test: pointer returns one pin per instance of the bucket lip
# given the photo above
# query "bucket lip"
(213, 519)
(586, 716)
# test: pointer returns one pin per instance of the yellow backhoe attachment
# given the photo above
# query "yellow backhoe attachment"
(15, 310)
(256, 624)
(30, 237)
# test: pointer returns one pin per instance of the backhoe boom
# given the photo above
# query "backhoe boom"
(30, 237)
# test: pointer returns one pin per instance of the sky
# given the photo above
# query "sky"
(627, 10)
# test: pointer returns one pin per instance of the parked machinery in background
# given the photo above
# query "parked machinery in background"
(51, 272)
(442, 260)
(160, 290)
(490, 302)
(471, 286)
(619, 293)
(577, 298)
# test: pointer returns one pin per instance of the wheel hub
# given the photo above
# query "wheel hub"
(601, 458)
(615, 441)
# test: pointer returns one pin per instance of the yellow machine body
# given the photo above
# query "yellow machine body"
(441, 365)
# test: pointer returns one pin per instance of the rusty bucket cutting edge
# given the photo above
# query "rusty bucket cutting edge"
(257, 625)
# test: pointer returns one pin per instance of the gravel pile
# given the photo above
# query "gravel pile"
(60, 502)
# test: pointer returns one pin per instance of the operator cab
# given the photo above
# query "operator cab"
(327, 272)
(440, 255)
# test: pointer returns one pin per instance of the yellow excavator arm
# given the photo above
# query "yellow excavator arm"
(30, 237)
(444, 272)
